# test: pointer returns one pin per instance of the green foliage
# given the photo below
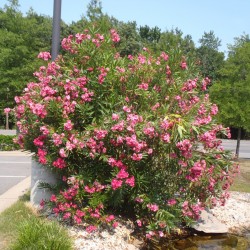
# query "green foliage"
(210, 41)
(20, 229)
(21, 39)
(39, 234)
(151, 35)
(130, 42)
(232, 93)
(209, 58)
(7, 143)
(174, 40)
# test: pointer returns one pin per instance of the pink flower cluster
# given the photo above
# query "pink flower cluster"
(185, 147)
(44, 55)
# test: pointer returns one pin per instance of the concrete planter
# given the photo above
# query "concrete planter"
(40, 174)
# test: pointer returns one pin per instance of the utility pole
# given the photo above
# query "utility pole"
(56, 29)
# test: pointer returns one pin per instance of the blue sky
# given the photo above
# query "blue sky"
(227, 18)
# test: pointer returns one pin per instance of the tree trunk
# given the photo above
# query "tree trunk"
(238, 143)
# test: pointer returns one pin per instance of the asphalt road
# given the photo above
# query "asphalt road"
(244, 147)
(14, 168)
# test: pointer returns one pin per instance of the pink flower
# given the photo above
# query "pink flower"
(126, 109)
(130, 57)
(62, 153)
(142, 59)
(183, 65)
(110, 218)
(42, 203)
(70, 146)
(41, 155)
(39, 141)
(91, 228)
(150, 131)
(136, 157)
(150, 151)
(118, 127)
(77, 219)
(165, 137)
(57, 139)
(80, 213)
(153, 207)
(114, 36)
(171, 202)
(122, 174)
(53, 198)
(115, 117)
(139, 199)
(38, 109)
(189, 85)
(100, 134)
(139, 223)
(161, 234)
(44, 55)
(164, 56)
(156, 106)
(59, 163)
(130, 181)
(44, 130)
(115, 184)
(89, 190)
(214, 109)
(115, 224)
(143, 86)
(7, 110)
(185, 147)
(112, 162)
(68, 125)
(66, 215)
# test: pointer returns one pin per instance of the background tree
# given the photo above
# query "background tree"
(150, 36)
(232, 92)
(174, 40)
(209, 57)
(130, 42)
(21, 39)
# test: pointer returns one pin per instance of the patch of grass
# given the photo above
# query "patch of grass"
(21, 228)
(38, 234)
(10, 219)
(242, 181)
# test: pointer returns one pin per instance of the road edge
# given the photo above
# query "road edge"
(13, 194)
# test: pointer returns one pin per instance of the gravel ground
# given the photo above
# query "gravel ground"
(235, 214)
(117, 239)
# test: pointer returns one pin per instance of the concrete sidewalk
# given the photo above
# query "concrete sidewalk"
(13, 194)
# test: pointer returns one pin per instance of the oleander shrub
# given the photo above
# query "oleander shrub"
(134, 135)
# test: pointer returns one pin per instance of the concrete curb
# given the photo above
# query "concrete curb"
(12, 195)
(16, 153)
